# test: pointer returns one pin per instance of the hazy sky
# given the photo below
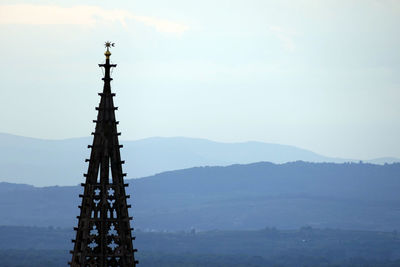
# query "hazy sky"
(321, 75)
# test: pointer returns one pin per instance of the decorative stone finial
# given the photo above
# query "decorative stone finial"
(108, 44)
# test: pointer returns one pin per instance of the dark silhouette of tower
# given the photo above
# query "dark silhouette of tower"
(104, 236)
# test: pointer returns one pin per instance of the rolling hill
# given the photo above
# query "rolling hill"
(253, 196)
(61, 162)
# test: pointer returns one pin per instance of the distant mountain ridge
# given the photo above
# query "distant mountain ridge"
(252, 196)
(61, 162)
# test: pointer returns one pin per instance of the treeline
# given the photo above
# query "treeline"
(305, 247)
(59, 258)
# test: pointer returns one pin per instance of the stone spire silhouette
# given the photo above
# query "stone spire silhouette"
(104, 236)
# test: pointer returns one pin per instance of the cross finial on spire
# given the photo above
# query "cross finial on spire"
(108, 44)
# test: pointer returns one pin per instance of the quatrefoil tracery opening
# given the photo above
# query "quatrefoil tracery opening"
(93, 245)
(113, 245)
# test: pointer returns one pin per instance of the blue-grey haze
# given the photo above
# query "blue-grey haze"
(61, 162)
(322, 75)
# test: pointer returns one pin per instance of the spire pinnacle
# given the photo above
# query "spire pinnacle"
(108, 44)
(104, 234)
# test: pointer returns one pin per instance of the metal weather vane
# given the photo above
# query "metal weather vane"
(109, 44)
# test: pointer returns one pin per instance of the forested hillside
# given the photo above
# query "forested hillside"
(305, 247)
(292, 195)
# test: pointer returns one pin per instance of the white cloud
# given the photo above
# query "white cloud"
(80, 15)
(285, 36)
(162, 25)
